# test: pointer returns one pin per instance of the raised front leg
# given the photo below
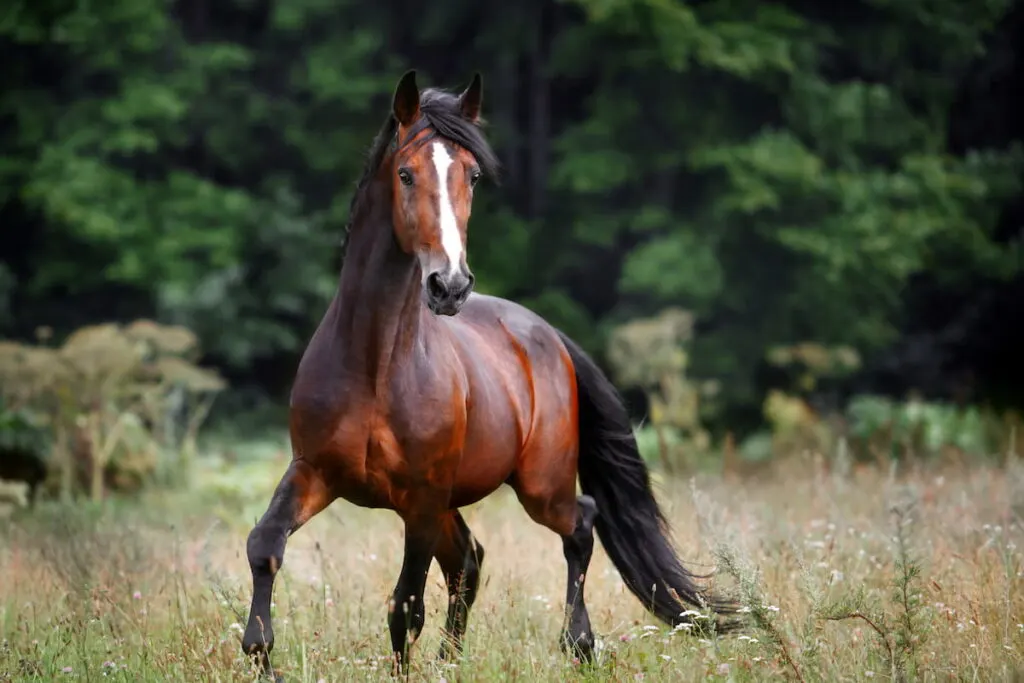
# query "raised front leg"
(460, 557)
(406, 611)
(299, 496)
(578, 548)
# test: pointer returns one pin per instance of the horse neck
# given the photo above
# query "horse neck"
(377, 309)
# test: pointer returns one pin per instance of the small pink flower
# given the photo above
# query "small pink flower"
(624, 638)
(68, 670)
(137, 595)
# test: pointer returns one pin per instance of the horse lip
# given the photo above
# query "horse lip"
(448, 308)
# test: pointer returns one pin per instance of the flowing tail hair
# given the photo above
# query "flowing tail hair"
(631, 526)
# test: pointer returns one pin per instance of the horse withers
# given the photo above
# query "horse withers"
(417, 395)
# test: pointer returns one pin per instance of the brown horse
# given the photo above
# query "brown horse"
(415, 395)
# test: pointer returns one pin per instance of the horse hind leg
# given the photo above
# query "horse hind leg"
(557, 508)
(578, 548)
(299, 496)
(460, 556)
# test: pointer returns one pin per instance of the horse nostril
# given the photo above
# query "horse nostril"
(435, 286)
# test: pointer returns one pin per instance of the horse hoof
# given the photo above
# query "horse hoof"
(581, 648)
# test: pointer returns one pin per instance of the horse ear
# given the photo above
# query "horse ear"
(471, 99)
(406, 105)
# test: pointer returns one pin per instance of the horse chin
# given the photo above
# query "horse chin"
(444, 308)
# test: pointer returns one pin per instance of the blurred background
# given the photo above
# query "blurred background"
(785, 229)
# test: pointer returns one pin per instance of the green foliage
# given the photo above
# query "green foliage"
(159, 172)
(924, 429)
(771, 168)
(23, 432)
(830, 208)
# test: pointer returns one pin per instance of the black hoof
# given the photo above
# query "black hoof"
(582, 647)
(260, 656)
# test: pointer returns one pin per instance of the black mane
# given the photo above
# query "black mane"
(439, 110)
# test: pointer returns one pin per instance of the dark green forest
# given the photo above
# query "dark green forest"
(788, 172)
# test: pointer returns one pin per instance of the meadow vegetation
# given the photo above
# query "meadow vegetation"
(900, 574)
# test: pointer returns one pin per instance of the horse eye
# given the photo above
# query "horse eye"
(474, 176)
(405, 176)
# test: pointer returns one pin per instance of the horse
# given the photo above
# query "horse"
(418, 395)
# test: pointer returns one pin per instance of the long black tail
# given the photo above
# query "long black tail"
(631, 526)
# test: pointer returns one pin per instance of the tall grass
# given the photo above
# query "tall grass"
(843, 578)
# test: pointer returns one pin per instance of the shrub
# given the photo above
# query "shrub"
(108, 398)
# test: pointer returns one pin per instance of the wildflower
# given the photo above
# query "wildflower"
(723, 668)
(667, 658)
(68, 670)
(137, 595)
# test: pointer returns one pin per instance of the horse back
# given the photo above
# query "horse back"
(521, 399)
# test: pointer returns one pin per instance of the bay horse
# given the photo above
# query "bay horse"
(417, 395)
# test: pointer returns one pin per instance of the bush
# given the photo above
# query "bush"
(109, 400)
(651, 354)
(883, 429)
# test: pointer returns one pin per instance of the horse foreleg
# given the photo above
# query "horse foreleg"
(299, 496)
(460, 556)
(406, 613)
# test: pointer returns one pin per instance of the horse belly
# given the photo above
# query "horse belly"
(493, 441)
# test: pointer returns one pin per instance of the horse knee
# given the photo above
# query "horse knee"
(265, 550)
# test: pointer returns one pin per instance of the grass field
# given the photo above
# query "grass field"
(866, 577)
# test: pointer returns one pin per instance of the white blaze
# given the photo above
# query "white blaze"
(451, 241)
